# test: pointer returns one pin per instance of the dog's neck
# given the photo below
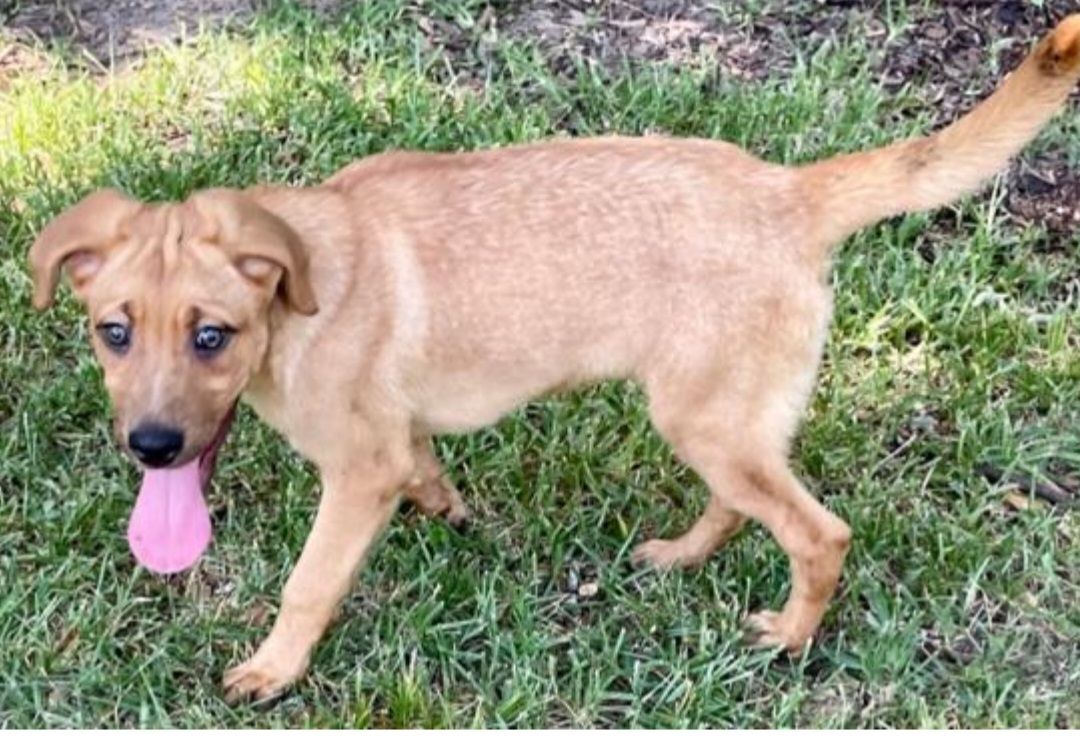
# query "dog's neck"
(332, 259)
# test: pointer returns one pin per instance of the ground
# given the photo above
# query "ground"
(948, 397)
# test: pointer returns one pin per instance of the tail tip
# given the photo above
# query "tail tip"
(1060, 52)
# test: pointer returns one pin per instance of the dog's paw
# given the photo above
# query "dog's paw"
(438, 498)
(771, 630)
(259, 679)
(664, 555)
(457, 515)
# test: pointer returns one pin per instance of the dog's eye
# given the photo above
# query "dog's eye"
(117, 337)
(211, 339)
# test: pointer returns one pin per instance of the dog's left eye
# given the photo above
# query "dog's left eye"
(209, 340)
(116, 336)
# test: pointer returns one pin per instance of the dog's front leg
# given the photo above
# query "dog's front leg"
(357, 502)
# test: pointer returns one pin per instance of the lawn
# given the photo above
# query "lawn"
(956, 346)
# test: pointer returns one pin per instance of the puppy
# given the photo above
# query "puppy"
(418, 294)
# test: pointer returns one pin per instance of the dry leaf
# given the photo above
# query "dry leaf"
(1022, 502)
(1017, 500)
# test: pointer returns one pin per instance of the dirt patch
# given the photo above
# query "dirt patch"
(609, 34)
(111, 31)
(957, 53)
(945, 45)
(612, 34)
(114, 30)
(19, 59)
(1046, 192)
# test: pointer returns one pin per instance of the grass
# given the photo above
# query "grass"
(955, 610)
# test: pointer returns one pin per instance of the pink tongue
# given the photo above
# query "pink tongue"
(170, 526)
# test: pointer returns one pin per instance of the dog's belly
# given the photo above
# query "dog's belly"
(462, 402)
(461, 409)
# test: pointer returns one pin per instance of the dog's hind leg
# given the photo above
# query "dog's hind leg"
(710, 532)
(737, 442)
(430, 491)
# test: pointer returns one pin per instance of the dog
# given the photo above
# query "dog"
(418, 294)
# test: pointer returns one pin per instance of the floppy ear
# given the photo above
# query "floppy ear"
(78, 237)
(262, 246)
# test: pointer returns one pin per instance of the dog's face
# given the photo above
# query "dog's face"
(178, 297)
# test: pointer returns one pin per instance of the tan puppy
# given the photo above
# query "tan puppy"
(417, 294)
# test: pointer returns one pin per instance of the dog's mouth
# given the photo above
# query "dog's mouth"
(169, 527)
(208, 457)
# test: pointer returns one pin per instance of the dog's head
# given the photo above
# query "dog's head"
(178, 297)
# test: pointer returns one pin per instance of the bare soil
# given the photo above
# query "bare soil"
(115, 30)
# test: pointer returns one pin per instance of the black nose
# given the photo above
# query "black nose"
(156, 445)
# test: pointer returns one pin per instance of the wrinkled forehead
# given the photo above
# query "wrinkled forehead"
(163, 261)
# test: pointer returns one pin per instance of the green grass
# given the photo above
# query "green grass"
(954, 611)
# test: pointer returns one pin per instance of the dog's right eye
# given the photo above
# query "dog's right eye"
(116, 337)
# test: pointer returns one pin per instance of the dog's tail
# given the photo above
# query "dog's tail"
(856, 190)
